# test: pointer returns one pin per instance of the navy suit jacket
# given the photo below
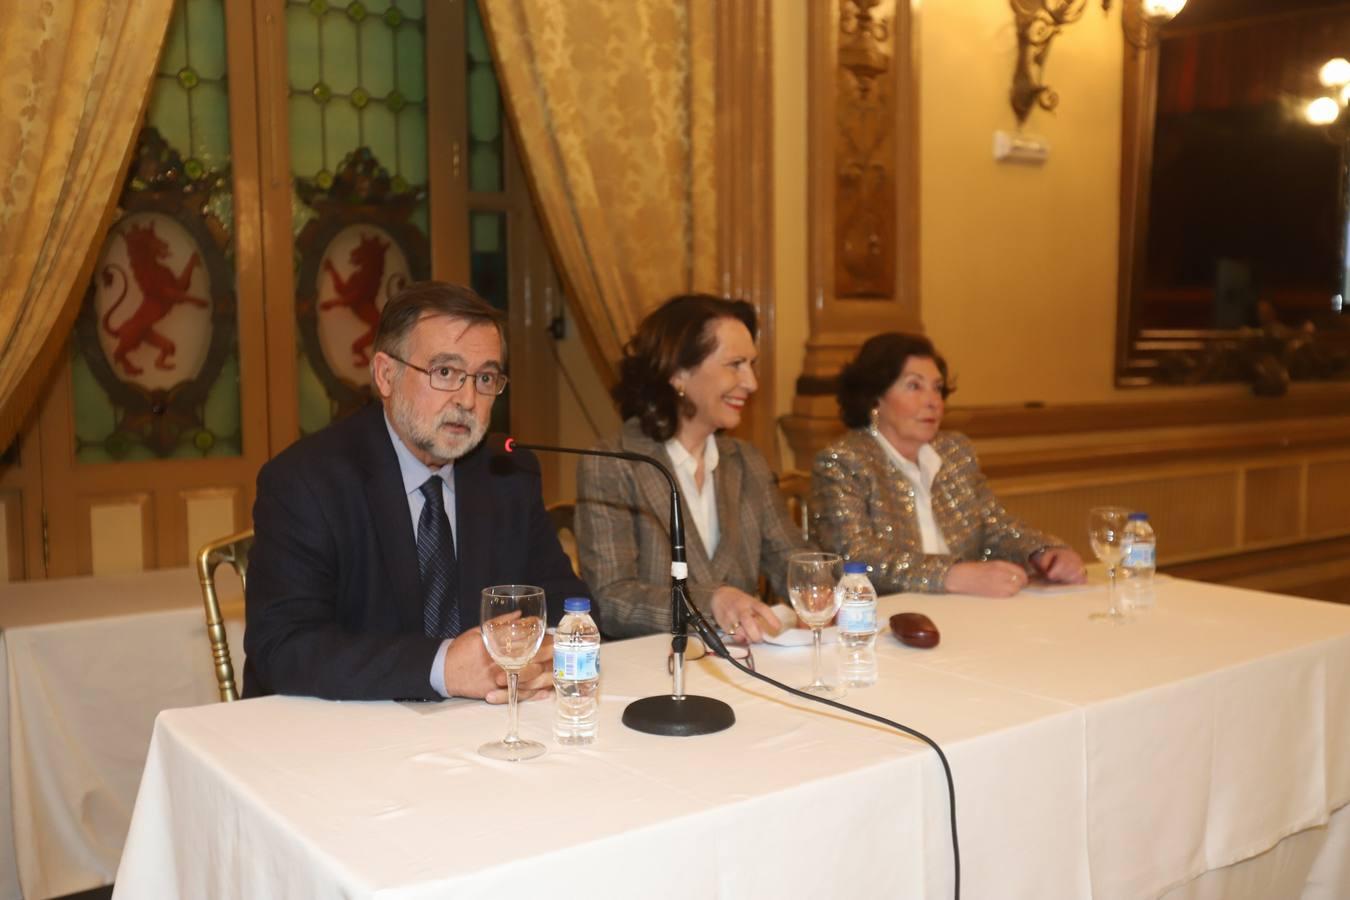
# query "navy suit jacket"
(334, 597)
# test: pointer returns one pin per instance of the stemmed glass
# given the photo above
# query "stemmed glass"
(1106, 531)
(513, 628)
(812, 581)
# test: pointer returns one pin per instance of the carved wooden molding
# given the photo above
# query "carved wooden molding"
(1039, 22)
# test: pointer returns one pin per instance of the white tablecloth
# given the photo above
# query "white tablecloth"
(1091, 760)
(85, 665)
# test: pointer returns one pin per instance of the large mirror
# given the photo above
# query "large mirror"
(1234, 197)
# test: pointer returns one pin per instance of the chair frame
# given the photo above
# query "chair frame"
(234, 550)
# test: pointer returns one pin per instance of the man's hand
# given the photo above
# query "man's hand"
(470, 671)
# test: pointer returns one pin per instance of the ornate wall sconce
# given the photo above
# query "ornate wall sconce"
(1141, 19)
(1038, 23)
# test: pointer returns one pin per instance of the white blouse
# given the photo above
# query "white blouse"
(702, 504)
(921, 479)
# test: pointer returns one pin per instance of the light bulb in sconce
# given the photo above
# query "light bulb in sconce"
(1159, 11)
(1345, 95)
(1322, 111)
(1334, 73)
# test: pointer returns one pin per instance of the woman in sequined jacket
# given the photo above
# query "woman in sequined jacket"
(910, 500)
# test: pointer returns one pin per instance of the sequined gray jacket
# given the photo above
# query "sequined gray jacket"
(862, 507)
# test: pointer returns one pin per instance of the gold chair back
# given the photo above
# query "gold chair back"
(563, 516)
(233, 550)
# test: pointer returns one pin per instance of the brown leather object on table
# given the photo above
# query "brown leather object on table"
(915, 630)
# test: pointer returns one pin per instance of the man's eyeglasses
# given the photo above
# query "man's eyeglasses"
(449, 378)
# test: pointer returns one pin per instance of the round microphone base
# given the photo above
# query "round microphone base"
(678, 716)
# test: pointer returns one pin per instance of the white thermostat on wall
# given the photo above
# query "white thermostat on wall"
(1020, 148)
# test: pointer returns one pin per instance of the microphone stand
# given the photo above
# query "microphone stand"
(676, 714)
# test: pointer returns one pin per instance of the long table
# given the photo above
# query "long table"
(1201, 751)
(85, 666)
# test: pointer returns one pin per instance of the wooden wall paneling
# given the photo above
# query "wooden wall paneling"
(208, 514)
(1192, 510)
(121, 533)
(11, 535)
(1328, 497)
(1272, 504)
(447, 141)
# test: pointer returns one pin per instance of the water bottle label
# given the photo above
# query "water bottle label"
(576, 663)
(860, 618)
(1140, 555)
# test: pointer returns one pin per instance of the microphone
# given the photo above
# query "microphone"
(676, 714)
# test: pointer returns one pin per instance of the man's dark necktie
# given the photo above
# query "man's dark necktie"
(436, 561)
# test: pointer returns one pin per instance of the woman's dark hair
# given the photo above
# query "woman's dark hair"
(677, 335)
(872, 372)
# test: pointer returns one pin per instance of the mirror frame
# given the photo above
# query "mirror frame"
(1170, 356)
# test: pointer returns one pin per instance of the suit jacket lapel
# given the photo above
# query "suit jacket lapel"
(727, 477)
(388, 504)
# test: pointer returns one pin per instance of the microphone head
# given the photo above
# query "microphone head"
(509, 445)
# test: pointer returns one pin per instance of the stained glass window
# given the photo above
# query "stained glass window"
(155, 367)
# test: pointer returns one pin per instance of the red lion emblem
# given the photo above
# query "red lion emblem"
(160, 288)
(360, 289)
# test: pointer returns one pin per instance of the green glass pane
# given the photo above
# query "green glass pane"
(486, 232)
(381, 134)
(338, 34)
(168, 113)
(412, 145)
(342, 130)
(94, 415)
(377, 57)
(211, 125)
(376, 8)
(413, 9)
(485, 169)
(315, 410)
(475, 39)
(302, 48)
(301, 215)
(420, 217)
(206, 36)
(410, 59)
(220, 413)
(485, 118)
(306, 136)
(174, 55)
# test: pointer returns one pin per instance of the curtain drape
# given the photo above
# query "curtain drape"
(614, 107)
(73, 81)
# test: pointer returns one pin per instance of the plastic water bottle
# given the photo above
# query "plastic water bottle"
(857, 626)
(576, 673)
(1139, 563)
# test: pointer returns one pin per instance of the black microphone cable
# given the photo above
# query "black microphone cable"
(715, 644)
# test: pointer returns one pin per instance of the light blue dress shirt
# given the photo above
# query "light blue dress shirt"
(415, 474)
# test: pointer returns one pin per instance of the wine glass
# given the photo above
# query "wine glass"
(812, 581)
(513, 629)
(1106, 531)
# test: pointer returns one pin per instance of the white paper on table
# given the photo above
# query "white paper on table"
(791, 635)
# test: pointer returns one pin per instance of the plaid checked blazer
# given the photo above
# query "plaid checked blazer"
(623, 536)
(862, 507)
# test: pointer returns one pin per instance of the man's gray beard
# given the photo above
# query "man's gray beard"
(432, 441)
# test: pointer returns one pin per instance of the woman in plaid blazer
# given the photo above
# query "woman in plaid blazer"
(685, 377)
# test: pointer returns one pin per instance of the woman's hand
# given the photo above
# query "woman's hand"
(742, 616)
(985, 579)
(1060, 564)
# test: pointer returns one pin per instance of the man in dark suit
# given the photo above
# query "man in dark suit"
(375, 536)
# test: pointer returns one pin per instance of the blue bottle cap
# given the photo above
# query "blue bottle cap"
(855, 567)
(1138, 517)
(577, 604)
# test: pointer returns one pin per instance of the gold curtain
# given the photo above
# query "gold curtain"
(614, 107)
(73, 81)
